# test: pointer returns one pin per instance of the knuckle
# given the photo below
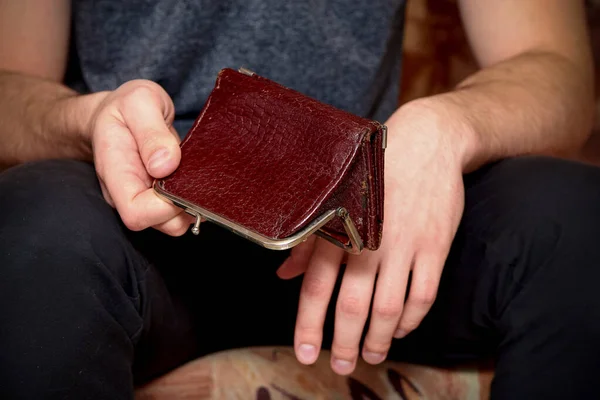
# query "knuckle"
(377, 346)
(142, 90)
(426, 296)
(177, 226)
(344, 352)
(182, 230)
(432, 242)
(409, 325)
(177, 231)
(352, 306)
(184, 225)
(306, 333)
(314, 287)
(132, 221)
(140, 94)
(151, 140)
(387, 310)
(137, 94)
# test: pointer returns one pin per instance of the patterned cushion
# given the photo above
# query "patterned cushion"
(273, 373)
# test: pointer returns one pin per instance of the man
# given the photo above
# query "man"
(99, 290)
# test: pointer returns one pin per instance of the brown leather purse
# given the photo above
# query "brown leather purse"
(276, 166)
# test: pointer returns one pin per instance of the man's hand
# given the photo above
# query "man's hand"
(533, 95)
(424, 198)
(134, 142)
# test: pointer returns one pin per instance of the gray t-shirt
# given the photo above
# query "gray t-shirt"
(343, 52)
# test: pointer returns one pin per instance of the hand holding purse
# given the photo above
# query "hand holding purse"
(276, 166)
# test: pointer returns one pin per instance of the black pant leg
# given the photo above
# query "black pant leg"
(546, 307)
(521, 282)
(230, 286)
(76, 298)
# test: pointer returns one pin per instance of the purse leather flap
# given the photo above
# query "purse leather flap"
(269, 158)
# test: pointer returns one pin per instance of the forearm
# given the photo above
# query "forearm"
(40, 119)
(536, 103)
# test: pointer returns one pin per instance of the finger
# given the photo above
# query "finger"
(297, 263)
(176, 226)
(120, 167)
(146, 210)
(426, 274)
(175, 134)
(388, 303)
(147, 111)
(317, 287)
(105, 193)
(351, 312)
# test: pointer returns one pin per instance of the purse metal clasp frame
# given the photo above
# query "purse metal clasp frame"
(355, 247)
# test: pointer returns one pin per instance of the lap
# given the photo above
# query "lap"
(515, 209)
(58, 233)
(527, 240)
(72, 279)
(518, 212)
(54, 211)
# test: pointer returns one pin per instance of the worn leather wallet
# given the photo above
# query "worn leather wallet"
(275, 166)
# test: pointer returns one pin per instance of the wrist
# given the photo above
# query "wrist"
(443, 116)
(74, 114)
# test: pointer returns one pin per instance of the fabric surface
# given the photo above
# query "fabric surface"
(88, 309)
(270, 373)
(342, 52)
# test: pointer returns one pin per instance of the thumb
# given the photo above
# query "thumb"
(148, 112)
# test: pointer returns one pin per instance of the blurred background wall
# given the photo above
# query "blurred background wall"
(437, 55)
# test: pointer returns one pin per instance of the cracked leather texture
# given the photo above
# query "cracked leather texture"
(271, 160)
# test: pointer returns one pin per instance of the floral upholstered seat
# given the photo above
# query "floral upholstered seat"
(274, 373)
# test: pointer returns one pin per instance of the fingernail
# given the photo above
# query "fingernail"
(342, 367)
(158, 158)
(373, 358)
(307, 353)
(400, 333)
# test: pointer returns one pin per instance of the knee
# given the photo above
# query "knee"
(53, 219)
(535, 193)
(60, 241)
(38, 188)
(48, 201)
(536, 223)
